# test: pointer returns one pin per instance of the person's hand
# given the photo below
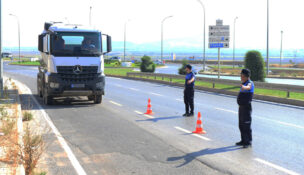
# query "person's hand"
(242, 86)
(189, 82)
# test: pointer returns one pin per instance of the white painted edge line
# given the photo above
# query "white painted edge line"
(189, 132)
(133, 89)
(227, 110)
(276, 167)
(78, 168)
(179, 100)
(156, 94)
(117, 104)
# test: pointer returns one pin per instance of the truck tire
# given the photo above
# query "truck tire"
(91, 98)
(39, 91)
(47, 100)
(97, 99)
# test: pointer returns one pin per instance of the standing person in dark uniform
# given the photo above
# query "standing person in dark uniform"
(189, 91)
(244, 101)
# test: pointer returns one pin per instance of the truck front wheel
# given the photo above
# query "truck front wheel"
(97, 99)
(47, 100)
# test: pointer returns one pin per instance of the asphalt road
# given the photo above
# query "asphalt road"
(114, 138)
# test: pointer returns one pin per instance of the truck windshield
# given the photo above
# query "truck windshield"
(76, 44)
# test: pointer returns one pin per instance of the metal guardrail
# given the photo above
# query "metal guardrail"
(214, 81)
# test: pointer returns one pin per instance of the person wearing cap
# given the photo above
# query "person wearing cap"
(245, 109)
(189, 91)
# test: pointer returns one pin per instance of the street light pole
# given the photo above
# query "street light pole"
(90, 16)
(125, 38)
(162, 36)
(267, 55)
(234, 41)
(1, 61)
(281, 52)
(18, 33)
(204, 55)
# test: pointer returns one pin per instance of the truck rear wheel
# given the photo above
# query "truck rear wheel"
(97, 99)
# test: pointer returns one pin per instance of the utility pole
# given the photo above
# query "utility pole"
(90, 16)
(18, 34)
(234, 41)
(204, 55)
(281, 52)
(267, 55)
(162, 36)
(1, 61)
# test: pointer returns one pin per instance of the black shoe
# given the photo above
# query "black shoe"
(185, 115)
(246, 145)
(240, 143)
(190, 114)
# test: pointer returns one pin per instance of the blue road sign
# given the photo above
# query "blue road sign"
(216, 45)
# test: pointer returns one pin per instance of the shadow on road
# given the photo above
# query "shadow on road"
(28, 104)
(158, 118)
(191, 156)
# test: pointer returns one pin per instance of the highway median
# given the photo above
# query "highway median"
(285, 94)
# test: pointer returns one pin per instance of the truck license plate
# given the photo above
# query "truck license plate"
(77, 85)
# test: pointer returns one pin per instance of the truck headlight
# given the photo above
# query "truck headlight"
(54, 85)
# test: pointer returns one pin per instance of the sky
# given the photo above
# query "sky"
(185, 28)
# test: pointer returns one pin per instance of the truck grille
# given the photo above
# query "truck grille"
(66, 73)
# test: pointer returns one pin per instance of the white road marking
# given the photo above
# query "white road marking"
(276, 167)
(78, 168)
(146, 115)
(263, 118)
(133, 89)
(117, 104)
(221, 109)
(140, 113)
(149, 116)
(156, 94)
(189, 132)
(179, 100)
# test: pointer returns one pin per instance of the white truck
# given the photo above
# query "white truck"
(72, 62)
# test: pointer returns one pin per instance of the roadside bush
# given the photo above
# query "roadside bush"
(27, 116)
(147, 64)
(182, 70)
(255, 63)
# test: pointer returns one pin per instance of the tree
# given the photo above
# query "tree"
(182, 70)
(147, 64)
(255, 63)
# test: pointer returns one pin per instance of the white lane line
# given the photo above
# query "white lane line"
(133, 89)
(189, 132)
(140, 113)
(280, 122)
(276, 167)
(179, 100)
(226, 110)
(149, 116)
(263, 118)
(75, 163)
(156, 94)
(117, 104)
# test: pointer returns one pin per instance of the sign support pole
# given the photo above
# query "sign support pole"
(219, 55)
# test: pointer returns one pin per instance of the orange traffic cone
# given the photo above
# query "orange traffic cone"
(199, 125)
(149, 108)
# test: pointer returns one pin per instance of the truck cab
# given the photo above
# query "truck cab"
(72, 62)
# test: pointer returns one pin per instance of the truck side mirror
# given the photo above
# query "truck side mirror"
(40, 43)
(109, 44)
